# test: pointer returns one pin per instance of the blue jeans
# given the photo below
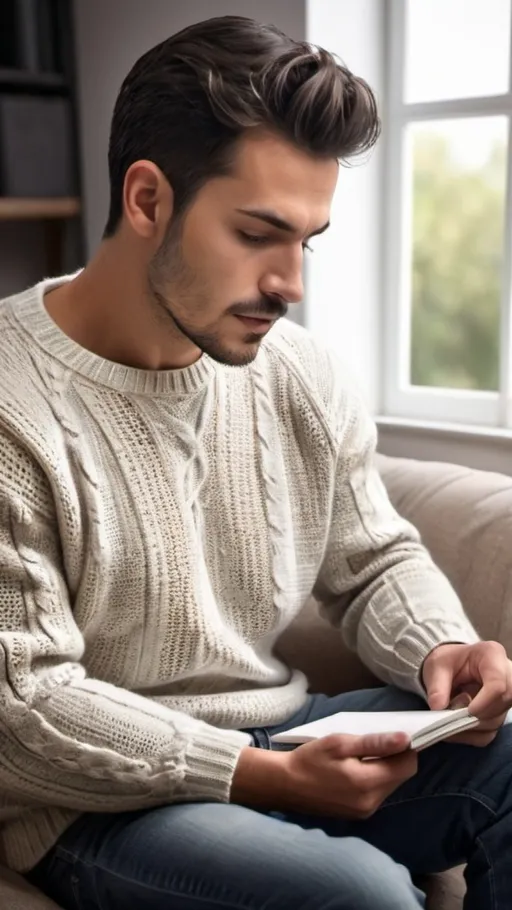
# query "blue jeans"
(208, 856)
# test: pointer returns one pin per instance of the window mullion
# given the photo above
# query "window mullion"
(506, 289)
(393, 201)
(506, 302)
(453, 108)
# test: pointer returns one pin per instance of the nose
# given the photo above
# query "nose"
(283, 277)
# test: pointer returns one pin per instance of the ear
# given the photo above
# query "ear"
(147, 200)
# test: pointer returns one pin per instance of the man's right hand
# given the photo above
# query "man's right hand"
(326, 776)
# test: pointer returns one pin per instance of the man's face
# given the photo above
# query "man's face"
(226, 274)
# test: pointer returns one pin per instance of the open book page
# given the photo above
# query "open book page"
(424, 727)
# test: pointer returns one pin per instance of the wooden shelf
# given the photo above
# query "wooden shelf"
(12, 209)
(31, 79)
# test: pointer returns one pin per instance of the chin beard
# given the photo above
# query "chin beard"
(168, 262)
(210, 344)
(207, 342)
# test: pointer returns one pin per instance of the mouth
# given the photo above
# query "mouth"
(256, 324)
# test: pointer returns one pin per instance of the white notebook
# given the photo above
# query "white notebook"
(424, 727)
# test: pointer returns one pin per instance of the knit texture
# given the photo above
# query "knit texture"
(158, 531)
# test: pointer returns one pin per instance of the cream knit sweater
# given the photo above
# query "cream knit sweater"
(158, 531)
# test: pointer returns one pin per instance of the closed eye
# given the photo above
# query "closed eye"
(260, 240)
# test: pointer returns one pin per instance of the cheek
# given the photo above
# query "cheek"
(227, 270)
(223, 258)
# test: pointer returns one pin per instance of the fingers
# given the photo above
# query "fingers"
(494, 670)
(473, 738)
(485, 665)
(440, 689)
(384, 775)
(462, 700)
(364, 785)
(393, 761)
(483, 735)
(371, 745)
(490, 726)
(376, 780)
(438, 678)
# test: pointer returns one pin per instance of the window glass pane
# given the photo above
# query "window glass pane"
(456, 49)
(458, 199)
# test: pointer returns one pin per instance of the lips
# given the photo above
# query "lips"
(256, 324)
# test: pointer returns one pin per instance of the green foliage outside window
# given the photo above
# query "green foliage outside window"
(457, 262)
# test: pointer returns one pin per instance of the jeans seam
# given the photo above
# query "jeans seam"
(463, 794)
(67, 855)
(491, 872)
(73, 860)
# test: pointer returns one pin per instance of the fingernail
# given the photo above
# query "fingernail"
(460, 701)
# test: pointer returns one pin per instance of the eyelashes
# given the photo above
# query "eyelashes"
(260, 240)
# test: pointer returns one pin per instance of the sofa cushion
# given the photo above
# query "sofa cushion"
(465, 520)
(17, 894)
(313, 646)
(445, 891)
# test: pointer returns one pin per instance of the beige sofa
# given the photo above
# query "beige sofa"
(465, 518)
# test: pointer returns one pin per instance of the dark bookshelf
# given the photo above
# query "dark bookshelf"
(39, 159)
(34, 36)
(29, 79)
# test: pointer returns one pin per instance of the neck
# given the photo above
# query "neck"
(108, 310)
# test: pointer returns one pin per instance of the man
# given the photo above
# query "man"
(179, 471)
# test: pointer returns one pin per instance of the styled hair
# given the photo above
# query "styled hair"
(187, 101)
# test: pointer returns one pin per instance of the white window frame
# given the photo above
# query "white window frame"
(401, 399)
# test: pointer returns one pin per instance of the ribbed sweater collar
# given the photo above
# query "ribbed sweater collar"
(34, 319)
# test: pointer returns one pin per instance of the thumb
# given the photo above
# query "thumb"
(345, 745)
(438, 682)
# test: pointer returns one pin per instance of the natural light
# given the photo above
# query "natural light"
(450, 211)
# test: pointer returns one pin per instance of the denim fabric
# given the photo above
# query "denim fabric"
(201, 856)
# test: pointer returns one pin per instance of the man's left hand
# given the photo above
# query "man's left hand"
(479, 676)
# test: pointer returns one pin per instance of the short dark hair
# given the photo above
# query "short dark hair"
(186, 102)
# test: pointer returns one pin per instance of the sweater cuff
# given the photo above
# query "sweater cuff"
(211, 758)
(420, 640)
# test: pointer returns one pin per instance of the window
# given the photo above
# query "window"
(448, 242)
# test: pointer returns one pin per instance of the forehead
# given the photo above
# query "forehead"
(271, 171)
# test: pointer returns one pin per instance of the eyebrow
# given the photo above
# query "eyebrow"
(271, 218)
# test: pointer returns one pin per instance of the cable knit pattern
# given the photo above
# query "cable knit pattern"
(158, 531)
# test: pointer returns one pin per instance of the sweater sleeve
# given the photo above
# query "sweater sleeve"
(377, 581)
(65, 739)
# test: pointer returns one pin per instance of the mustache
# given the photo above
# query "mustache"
(265, 308)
